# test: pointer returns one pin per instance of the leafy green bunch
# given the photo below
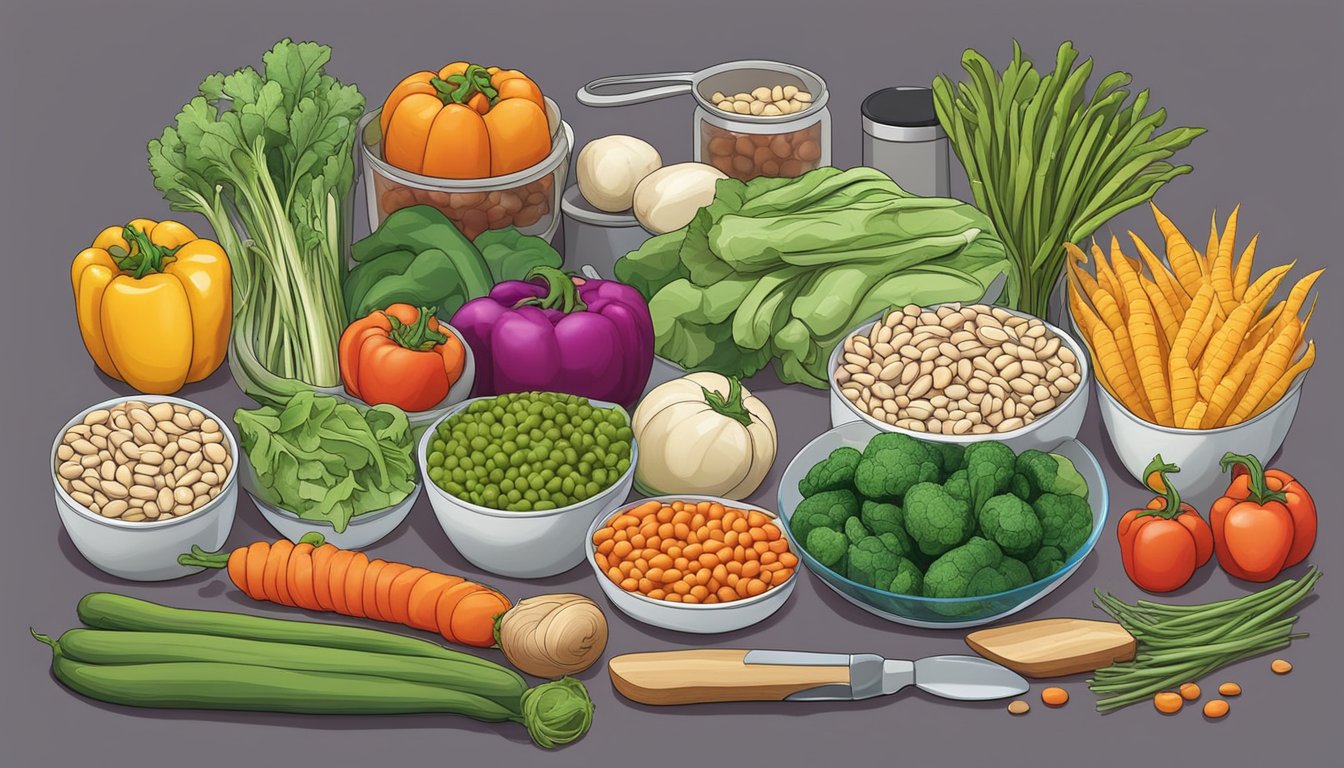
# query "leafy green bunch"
(266, 157)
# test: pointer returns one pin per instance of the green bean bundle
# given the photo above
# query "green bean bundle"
(1047, 166)
(1182, 643)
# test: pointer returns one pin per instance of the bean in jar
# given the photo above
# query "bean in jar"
(473, 212)
(957, 370)
(694, 552)
(745, 156)
(764, 101)
(143, 463)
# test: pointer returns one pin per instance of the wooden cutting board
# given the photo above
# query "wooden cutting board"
(1054, 647)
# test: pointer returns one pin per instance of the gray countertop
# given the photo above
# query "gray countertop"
(87, 85)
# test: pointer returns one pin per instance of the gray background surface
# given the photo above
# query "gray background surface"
(87, 84)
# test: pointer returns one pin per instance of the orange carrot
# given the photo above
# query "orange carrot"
(325, 577)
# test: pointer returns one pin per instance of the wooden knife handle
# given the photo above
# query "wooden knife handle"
(713, 674)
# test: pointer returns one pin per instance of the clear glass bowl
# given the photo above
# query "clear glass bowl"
(528, 199)
(935, 612)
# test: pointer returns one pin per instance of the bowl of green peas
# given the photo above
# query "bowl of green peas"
(516, 480)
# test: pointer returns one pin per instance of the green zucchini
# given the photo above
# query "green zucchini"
(99, 646)
(106, 610)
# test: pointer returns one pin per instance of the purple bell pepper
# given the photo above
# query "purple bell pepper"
(556, 333)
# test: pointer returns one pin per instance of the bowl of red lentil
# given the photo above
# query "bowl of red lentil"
(693, 563)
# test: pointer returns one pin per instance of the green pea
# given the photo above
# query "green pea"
(436, 474)
(567, 485)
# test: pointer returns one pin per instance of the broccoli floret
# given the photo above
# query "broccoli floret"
(935, 519)
(989, 470)
(953, 457)
(1049, 473)
(1020, 487)
(1066, 521)
(856, 531)
(977, 567)
(892, 463)
(959, 485)
(908, 580)
(1011, 523)
(827, 546)
(828, 509)
(834, 473)
(1046, 561)
(875, 561)
(881, 517)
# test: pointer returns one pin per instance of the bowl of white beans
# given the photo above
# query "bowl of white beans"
(141, 479)
(961, 374)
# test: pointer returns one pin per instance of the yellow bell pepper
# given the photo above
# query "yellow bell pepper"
(154, 304)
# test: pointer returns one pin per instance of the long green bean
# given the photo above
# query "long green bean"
(1179, 644)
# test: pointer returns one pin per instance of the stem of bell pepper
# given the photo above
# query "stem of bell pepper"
(419, 336)
(1161, 468)
(458, 89)
(145, 256)
(561, 292)
(731, 406)
(1259, 491)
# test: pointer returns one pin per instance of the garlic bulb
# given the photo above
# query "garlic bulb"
(553, 635)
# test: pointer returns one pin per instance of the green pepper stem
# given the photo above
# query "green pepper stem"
(418, 336)
(1259, 490)
(561, 292)
(1162, 469)
(144, 257)
(731, 406)
(458, 89)
(41, 638)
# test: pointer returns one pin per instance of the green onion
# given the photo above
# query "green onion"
(1182, 643)
(1047, 165)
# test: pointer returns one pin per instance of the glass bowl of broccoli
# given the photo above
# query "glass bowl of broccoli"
(941, 535)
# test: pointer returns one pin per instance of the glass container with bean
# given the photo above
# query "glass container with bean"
(693, 552)
(143, 463)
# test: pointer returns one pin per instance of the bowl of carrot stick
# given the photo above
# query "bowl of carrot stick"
(1193, 356)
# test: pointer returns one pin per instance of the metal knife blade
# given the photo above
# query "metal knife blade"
(967, 678)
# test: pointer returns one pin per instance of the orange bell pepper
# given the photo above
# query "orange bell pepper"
(1264, 522)
(1164, 543)
(154, 304)
(401, 356)
(465, 122)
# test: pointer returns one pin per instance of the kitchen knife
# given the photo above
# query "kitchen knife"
(712, 674)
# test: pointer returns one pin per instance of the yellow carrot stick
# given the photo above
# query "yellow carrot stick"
(1297, 296)
(1242, 278)
(1229, 385)
(1185, 263)
(1170, 287)
(1143, 333)
(1262, 290)
(1184, 388)
(1211, 250)
(1221, 271)
(1285, 381)
(1272, 365)
(1213, 320)
(1105, 353)
(1196, 416)
(1106, 277)
(1223, 347)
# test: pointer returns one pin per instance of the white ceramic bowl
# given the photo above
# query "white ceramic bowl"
(421, 419)
(1197, 452)
(1047, 430)
(690, 617)
(521, 545)
(362, 531)
(147, 551)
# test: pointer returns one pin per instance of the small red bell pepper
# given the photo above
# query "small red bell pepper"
(1164, 543)
(1264, 522)
(401, 356)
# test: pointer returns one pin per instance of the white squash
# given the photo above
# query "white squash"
(669, 198)
(703, 434)
(609, 169)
